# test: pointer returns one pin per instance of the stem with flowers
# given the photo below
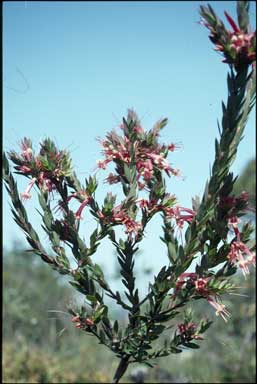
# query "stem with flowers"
(140, 166)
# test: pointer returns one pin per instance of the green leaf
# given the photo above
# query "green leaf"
(175, 350)
(91, 298)
(127, 172)
(191, 345)
(172, 252)
(204, 326)
(116, 326)
(243, 15)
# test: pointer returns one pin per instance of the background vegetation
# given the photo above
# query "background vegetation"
(40, 345)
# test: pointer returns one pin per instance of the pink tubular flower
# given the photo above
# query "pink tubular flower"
(26, 195)
(89, 322)
(140, 185)
(45, 183)
(184, 278)
(177, 214)
(125, 156)
(175, 172)
(132, 227)
(138, 129)
(73, 195)
(148, 154)
(232, 204)
(200, 286)
(114, 151)
(102, 163)
(220, 309)
(57, 173)
(26, 150)
(188, 331)
(192, 277)
(232, 23)
(172, 147)
(86, 201)
(118, 214)
(149, 206)
(201, 289)
(160, 161)
(241, 44)
(24, 169)
(145, 168)
(81, 323)
(109, 151)
(60, 205)
(227, 202)
(183, 327)
(237, 46)
(112, 179)
(241, 256)
(233, 222)
(101, 216)
(146, 204)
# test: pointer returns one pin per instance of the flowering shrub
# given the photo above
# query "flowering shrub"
(140, 164)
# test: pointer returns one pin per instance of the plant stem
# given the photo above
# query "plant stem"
(122, 367)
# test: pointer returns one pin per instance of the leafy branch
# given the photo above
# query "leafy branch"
(140, 163)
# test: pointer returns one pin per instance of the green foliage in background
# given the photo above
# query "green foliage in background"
(30, 292)
(40, 344)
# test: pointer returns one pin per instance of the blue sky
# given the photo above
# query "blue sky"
(71, 70)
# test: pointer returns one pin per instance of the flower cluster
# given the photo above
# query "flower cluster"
(191, 280)
(45, 169)
(233, 204)
(139, 157)
(237, 46)
(119, 215)
(149, 157)
(239, 254)
(154, 205)
(180, 214)
(188, 331)
(80, 195)
(82, 323)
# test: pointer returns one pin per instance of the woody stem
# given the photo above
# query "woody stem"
(122, 367)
